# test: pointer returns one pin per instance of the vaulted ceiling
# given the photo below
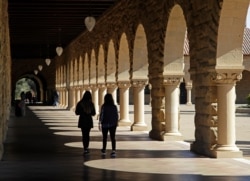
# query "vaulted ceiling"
(38, 26)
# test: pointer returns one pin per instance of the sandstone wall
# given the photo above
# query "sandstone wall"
(202, 22)
(5, 65)
(153, 15)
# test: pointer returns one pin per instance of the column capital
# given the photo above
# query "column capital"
(189, 85)
(226, 77)
(111, 84)
(124, 84)
(139, 82)
(101, 85)
(93, 86)
(86, 87)
(172, 80)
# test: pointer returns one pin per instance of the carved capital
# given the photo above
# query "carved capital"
(111, 85)
(189, 85)
(139, 82)
(93, 86)
(226, 77)
(124, 84)
(101, 86)
(172, 80)
(86, 87)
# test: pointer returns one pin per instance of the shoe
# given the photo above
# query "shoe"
(103, 152)
(113, 154)
(86, 152)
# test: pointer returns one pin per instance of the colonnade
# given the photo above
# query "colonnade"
(70, 97)
(149, 52)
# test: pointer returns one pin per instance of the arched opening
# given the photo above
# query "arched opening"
(33, 88)
(37, 87)
(242, 88)
(183, 93)
(29, 88)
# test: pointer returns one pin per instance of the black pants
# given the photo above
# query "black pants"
(85, 137)
(111, 131)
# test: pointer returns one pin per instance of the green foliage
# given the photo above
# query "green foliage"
(24, 85)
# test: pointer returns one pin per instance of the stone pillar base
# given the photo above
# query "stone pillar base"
(139, 127)
(227, 154)
(172, 137)
(124, 122)
(72, 108)
(156, 135)
(227, 151)
(201, 148)
(64, 106)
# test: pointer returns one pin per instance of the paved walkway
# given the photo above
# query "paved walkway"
(46, 145)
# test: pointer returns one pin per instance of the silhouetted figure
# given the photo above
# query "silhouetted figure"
(85, 108)
(108, 123)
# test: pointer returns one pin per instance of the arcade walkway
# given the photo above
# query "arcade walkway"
(46, 145)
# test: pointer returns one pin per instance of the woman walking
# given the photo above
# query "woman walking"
(108, 123)
(85, 108)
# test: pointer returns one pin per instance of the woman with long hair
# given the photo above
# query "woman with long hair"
(86, 109)
(108, 123)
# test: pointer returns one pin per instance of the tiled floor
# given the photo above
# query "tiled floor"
(46, 145)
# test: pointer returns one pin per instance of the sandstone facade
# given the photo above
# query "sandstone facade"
(5, 73)
(141, 42)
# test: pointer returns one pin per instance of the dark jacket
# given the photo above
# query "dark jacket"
(109, 116)
(85, 120)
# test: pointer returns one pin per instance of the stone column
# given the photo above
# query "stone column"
(189, 88)
(82, 91)
(111, 89)
(62, 99)
(101, 93)
(78, 95)
(124, 103)
(94, 90)
(71, 98)
(67, 92)
(74, 97)
(60, 96)
(138, 96)
(226, 97)
(172, 116)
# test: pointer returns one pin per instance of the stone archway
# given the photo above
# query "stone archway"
(228, 70)
(139, 77)
(204, 24)
(38, 90)
(173, 72)
(123, 80)
(111, 72)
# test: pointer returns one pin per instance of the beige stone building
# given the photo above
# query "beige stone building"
(242, 87)
(139, 43)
